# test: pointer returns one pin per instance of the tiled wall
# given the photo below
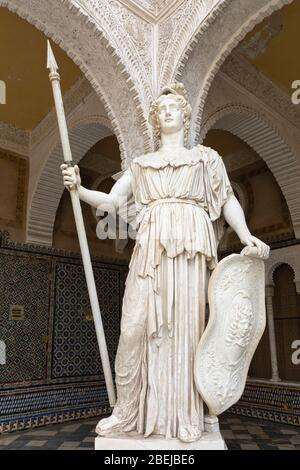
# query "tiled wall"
(53, 370)
(270, 401)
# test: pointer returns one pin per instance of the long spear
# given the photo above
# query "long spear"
(54, 78)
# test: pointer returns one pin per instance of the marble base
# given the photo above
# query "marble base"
(133, 441)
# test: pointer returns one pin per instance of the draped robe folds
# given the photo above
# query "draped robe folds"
(179, 206)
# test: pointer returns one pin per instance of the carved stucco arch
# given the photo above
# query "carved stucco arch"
(194, 19)
(267, 142)
(83, 135)
(211, 44)
(272, 269)
(88, 44)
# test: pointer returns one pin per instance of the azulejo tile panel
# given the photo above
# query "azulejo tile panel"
(38, 401)
(75, 348)
(272, 402)
(24, 281)
(54, 371)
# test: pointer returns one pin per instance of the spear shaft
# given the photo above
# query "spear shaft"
(54, 78)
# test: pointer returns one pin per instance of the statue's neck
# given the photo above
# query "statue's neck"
(172, 141)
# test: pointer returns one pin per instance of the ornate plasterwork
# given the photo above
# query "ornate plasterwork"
(152, 10)
(21, 168)
(74, 96)
(129, 35)
(87, 123)
(177, 33)
(211, 46)
(85, 41)
(49, 187)
(106, 36)
(255, 129)
(289, 255)
(138, 56)
(14, 139)
(243, 72)
(86, 114)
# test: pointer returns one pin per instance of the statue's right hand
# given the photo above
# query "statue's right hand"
(71, 176)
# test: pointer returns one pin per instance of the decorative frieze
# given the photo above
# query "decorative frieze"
(14, 139)
(15, 217)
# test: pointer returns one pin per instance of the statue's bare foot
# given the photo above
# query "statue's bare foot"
(189, 433)
(111, 425)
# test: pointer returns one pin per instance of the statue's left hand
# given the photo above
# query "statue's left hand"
(251, 241)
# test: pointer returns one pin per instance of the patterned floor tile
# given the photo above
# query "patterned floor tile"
(36, 443)
(249, 446)
(69, 445)
(41, 432)
(7, 439)
(239, 433)
(71, 427)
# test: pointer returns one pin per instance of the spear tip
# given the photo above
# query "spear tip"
(51, 62)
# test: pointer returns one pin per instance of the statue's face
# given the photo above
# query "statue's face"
(170, 116)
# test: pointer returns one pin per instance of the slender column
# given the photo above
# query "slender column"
(272, 338)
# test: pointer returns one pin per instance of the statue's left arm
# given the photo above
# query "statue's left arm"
(235, 217)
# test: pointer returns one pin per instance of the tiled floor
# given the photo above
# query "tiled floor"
(238, 432)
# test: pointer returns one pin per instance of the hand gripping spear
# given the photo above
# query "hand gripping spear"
(61, 118)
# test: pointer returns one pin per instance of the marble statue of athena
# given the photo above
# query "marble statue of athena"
(182, 197)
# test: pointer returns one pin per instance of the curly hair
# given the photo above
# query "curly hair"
(178, 91)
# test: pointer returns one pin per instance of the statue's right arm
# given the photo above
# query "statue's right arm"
(121, 189)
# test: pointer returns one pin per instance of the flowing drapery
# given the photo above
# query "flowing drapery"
(179, 203)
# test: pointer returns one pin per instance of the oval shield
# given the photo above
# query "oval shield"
(236, 295)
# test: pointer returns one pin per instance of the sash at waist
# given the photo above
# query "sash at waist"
(172, 199)
(147, 208)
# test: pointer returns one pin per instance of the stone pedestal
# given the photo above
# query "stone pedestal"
(133, 441)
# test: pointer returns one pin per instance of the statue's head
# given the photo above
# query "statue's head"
(171, 111)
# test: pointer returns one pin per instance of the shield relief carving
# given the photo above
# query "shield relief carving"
(236, 295)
